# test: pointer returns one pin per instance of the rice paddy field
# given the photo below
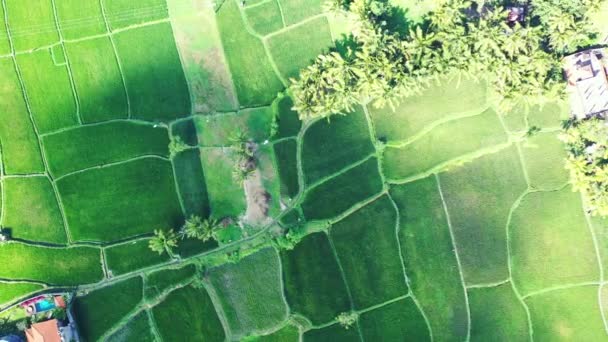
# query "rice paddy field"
(440, 220)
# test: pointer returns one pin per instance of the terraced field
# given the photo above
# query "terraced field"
(439, 221)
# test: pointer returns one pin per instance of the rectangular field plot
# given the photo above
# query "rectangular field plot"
(49, 91)
(191, 247)
(567, 315)
(191, 183)
(116, 202)
(330, 146)
(430, 260)
(12, 291)
(288, 122)
(338, 194)
(100, 310)
(184, 130)
(265, 18)
(445, 142)
(250, 292)
(97, 78)
(332, 333)
(550, 242)
(398, 321)
(368, 237)
(61, 266)
(168, 278)
(28, 195)
(96, 145)
(497, 315)
(153, 73)
(31, 26)
(78, 19)
(226, 197)
(132, 256)
(20, 150)
(443, 100)
(136, 329)
(544, 156)
(479, 196)
(220, 129)
(123, 13)
(314, 286)
(298, 10)
(298, 47)
(515, 118)
(188, 311)
(254, 78)
(287, 163)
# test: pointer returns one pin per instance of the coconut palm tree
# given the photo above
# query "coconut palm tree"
(197, 228)
(163, 241)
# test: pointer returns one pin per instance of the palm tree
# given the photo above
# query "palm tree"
(197, 228)
(163, 241)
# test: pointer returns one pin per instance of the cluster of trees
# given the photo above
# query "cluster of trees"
(245, 163)
(383, 62)
(164, 241)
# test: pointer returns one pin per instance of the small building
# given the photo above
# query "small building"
(47, 331)
(586, 73)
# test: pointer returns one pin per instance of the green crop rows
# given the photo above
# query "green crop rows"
(439, 221)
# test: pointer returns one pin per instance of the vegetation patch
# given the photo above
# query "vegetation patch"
(549, 115)
(185, 130)
(288, 333)
(330, 146)
(265, 18)
(23, 21)
(445, 142)
(71, 12)
(59, 266)
(515, 118)
(188, 310)
(479, 197)
(220, 129)
(124, 13)
(102, 309)
(136, 329)
(396, 321)
(368, 237)
(132, 256)
(288, 122)
(332, 333)
(298, 10)
(226, 197)
(250, 292)
(191, 182)
(314, 286)
(544, 155)
(12, 291)
(5, 47)
(287, 163)
(28, 195)
(140, 195)
(550, 242)
(189, 247)
(430, 259)
(340, 193)
(96, 145)
(165, 279)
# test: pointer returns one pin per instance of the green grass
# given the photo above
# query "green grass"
(544, 155)
(567, 315)
(189, 247)
(288, 333)
(479, 196)
(430, 260)
(440, 101)
(186, 131)
(226, 197)
(330, 146)
(188, 314)
(120, 201)
(220, 129)
(367, 237)
(515, 118)
(250, 292)
(153, 73)
(5, 47)
(340, 193)
(191, 183)
(102, 309)
(132, 256)
(31, 211)
(286, 156)
(314, 286)
(288, 122)
(167, 278)
(497, 315)
(448, 141)
(12, 291)
(298, 10)
(550, 243)
(398, 321)
(23, 21)
(95, 145)
(20, 150)
(61, 266)
(600, 227)
(332, 333)
(270, 178)
(298, 47)
(265, 18)
(549, 115)
(124, 13)
(70, 15)
(254, 78)
(136, 329)
(49, 91)
(97, 78)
